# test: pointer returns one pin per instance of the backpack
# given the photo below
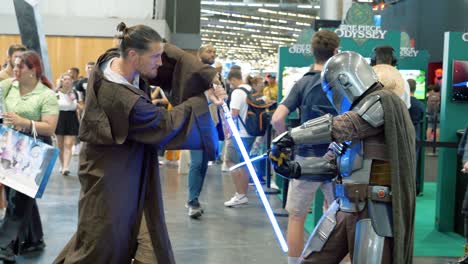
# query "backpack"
(258, 117)
(314, 105)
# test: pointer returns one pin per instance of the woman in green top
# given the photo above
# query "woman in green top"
(27, 98)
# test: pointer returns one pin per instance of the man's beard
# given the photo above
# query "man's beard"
(207, 61)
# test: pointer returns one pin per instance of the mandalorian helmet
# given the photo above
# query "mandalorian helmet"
(345, 77)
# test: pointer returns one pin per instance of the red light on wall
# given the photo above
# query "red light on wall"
(378, 6)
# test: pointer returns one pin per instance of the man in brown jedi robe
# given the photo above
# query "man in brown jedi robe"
(122, 131)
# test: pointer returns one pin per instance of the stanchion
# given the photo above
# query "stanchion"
(281, 212)
(434, 138)
(267, 188)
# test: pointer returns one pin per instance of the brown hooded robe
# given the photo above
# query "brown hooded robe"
(119, 173)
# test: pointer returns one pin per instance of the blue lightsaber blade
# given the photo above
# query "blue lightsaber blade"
(253, 174)
(238, 165)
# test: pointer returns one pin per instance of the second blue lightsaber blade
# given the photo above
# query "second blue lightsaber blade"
(253, 175)
(238, 165)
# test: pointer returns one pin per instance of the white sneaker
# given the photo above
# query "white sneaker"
(76, 150)
(236, 200)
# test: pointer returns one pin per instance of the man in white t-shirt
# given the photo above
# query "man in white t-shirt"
(238, 106)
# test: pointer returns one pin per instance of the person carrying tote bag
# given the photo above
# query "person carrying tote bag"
(27, 97)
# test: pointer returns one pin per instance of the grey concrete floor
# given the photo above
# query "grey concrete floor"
(222, 235)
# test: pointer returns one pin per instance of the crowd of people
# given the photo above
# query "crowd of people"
(128, 108)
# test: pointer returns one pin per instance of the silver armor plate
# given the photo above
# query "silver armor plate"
(314, 131)
(368, 246)
(322, 231)
(316, 165)
(370, 109)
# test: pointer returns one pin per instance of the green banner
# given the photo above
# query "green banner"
(452, 118)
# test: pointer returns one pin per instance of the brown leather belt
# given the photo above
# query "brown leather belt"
(358, 193)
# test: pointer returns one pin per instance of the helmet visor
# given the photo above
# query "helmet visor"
(336, 96)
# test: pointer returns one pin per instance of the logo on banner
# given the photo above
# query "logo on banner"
(465, 37)
(361, 32)
(305, 49)
(408, 52)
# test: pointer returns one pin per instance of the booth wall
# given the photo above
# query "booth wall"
(64, 52)
(89, 18)
(92, 8)
(426, 21)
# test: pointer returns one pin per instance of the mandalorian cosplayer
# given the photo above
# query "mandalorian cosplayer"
(373, 215)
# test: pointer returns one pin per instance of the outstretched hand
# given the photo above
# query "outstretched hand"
(217, 94)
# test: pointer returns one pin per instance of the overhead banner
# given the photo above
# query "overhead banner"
(361, 32)
(364, 39)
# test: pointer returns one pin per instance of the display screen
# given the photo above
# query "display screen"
(290, 76)
(460, 81)
(420, 78)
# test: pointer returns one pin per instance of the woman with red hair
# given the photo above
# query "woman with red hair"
(28, 98)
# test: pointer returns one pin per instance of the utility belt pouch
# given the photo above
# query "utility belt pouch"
(356, 193)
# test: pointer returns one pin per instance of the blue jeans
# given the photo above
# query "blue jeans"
(197, 173)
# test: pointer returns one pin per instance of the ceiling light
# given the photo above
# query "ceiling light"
(304, 6)
(316, 6)
(214, 12)
(263, 10)
(219, 3)
(271, 5)
(255, 5)
(304, 16)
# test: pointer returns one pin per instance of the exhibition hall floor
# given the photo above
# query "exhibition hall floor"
(222, 235)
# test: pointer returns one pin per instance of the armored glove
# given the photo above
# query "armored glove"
(283, 141)
(280, 156)
(281, 149)
(289, 169)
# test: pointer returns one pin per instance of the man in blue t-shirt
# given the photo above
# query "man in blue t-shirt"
(308, 96)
